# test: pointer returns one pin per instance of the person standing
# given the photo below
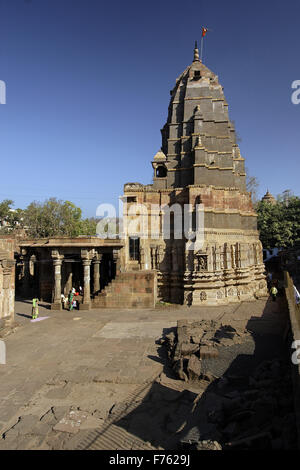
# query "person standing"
(35, 308)
(71, 295)
(269, 279)
(63, 301)
(274, 292)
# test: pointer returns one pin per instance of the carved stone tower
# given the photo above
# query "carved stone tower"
(199, 165)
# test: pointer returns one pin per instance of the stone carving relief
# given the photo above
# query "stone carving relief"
(132, 186)
(188, 298)
(203, 296)
(157, 256)
(201, 262)
(160, 254)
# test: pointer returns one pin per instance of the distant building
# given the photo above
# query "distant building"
(268, 197)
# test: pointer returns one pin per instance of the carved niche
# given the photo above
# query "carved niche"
(201, 262)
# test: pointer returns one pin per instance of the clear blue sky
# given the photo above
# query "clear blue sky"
(88, 86)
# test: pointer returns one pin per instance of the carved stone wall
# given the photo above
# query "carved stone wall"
(7, 282)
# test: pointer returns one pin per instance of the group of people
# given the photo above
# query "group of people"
(71, 302)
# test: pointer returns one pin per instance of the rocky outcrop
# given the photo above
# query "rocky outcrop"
(250, 410)
(197, 341)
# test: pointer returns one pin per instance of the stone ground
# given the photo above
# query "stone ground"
(99, 379)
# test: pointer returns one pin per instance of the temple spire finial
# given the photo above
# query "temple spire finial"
(196, 53)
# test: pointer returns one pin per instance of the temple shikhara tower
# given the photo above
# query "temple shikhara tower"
(199, 164)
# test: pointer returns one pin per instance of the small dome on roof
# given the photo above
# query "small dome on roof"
(160, 156)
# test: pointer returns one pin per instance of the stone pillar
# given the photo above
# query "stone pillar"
(86, 305)
(152, 255)
(116, 257)
(96, 283)
(233, 257)
(69, 278)
(244, 255)
(227, 257)
(142, 258)
(174, 253)
(189, 260)
(57, 262)
(218, 258)
(238, 255)
(32, 262)
(26, 274)
(7, 306)
(160, 258)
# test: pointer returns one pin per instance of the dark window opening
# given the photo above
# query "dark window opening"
(131, 199)
(197, 74)
(134, 248)
(161, 172)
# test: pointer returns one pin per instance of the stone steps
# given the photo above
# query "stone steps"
(128, 290)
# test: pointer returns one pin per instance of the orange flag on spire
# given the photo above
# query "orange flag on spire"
(204, 31)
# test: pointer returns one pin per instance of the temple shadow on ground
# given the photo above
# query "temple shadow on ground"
(171, 419)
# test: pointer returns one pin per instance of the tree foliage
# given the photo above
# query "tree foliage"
(9, 218)
(279, 224)
(252, 186)
(5, 208)
(88, 226)
(53, 218)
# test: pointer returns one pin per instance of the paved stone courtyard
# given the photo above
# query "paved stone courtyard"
(76, 379)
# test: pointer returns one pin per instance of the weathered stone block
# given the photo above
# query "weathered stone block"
(194, 368)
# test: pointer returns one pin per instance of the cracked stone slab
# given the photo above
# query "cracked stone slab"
(72, 422)
(115, 330)
(59, 392)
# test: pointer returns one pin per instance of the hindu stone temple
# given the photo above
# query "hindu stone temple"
(199, 164)
(199, 175)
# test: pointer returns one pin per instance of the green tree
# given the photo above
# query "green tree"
(52, 218)
(279, 224)
(88, 226)
(9, 218)
(5, 208)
